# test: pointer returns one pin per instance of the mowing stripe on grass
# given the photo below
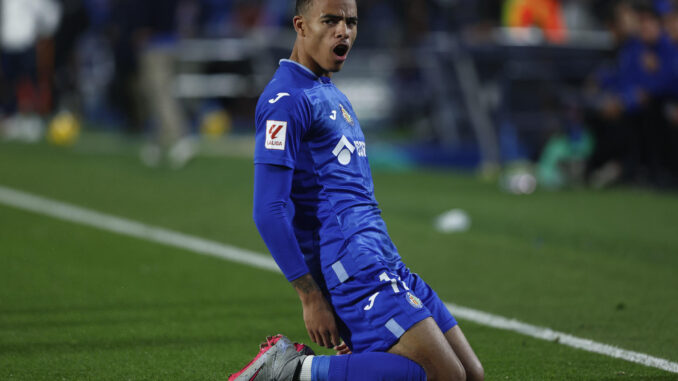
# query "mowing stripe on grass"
(107, 222)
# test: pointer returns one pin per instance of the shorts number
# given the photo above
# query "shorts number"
(394, 283)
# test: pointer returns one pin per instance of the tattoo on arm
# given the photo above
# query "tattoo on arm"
(305, 284)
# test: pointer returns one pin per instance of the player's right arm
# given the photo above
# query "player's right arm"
(318, 314)
(280, 127)
(272, 186)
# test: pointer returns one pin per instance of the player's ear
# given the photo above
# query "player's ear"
(299, 25)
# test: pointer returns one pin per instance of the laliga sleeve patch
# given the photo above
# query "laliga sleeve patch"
(276, 133)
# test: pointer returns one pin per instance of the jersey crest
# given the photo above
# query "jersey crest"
(346, 115)
(414, 301)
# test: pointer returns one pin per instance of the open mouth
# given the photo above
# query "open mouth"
(341, 50)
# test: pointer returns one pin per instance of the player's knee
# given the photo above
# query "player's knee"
(457, 373)
(451, 372)
(475, 372)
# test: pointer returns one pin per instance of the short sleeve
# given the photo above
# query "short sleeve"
(281, 123)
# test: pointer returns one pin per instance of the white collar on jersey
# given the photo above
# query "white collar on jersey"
(300, 65)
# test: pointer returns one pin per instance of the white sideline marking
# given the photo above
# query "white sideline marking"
(500, 322)
(107, 222)
(127, 227)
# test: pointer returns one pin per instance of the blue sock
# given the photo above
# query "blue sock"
(374, 366)
(320, 368)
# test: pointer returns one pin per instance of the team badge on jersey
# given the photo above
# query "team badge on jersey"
(414, 301)
(276, 133)
(346, 115)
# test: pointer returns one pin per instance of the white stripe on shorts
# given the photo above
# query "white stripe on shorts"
(395, 328)
(340, 271)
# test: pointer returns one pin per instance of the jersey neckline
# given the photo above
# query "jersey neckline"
(306, 71)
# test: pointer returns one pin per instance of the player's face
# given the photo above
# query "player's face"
(331, 27)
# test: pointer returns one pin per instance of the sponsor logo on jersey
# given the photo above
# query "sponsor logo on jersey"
(276, 134)
(414, 301)
(278, 97)
(346, 115)
(360, 148)
(343, 151)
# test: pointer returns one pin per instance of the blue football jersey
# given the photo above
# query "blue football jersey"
(305, 123)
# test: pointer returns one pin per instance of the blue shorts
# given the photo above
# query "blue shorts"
(377, 305)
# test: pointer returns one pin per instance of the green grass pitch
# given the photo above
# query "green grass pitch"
(78, 303)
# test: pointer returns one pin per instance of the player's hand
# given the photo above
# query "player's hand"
(342, 349)
(320, 323)
(318, 314)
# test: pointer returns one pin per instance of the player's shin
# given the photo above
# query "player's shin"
(374, 366)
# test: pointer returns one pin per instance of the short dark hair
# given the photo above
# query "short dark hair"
(302, 6)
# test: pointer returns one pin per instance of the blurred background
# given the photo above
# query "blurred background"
(137, 116)
(529, 93)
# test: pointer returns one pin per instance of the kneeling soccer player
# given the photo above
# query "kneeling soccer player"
(335, 250)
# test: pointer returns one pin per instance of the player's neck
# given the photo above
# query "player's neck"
(300, 57)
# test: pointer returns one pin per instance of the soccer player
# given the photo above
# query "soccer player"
(334, 248)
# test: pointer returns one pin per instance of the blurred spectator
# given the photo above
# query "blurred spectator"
(26, 66)
(216, 17)
(670, 20)
(629, 99)
(578, 15)
(378, 23)
(544, 14)
(670, 112)
(277, 13)
(27, 54)
(605, 91)
(119, 57)
(155, 39)
(74, 23)
(655, 76)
